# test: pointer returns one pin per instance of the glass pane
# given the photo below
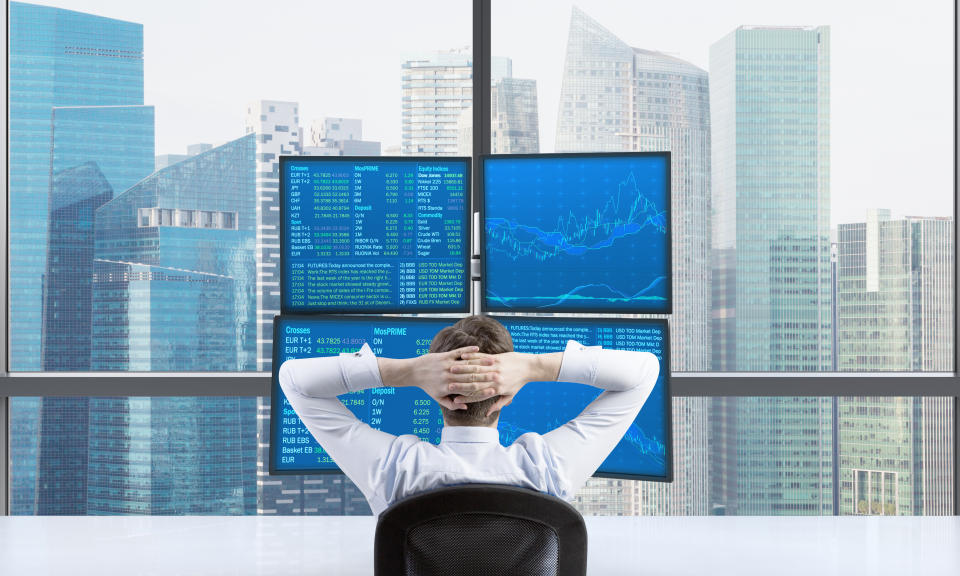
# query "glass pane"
(888, 456)
(796, 245)
(133, 455)
(144, 154)
(746, 456)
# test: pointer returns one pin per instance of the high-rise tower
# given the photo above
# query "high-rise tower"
(515, 123)
(436, 89)
(618, 98)
(173, 290)
(58, 58)
(770, 114)
(894, 314)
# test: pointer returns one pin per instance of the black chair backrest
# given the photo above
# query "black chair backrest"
(481, 529)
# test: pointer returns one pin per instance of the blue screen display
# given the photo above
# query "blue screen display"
(539, 407)
(577, 233)
(374, 235)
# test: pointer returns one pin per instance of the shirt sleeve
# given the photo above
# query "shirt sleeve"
(312, 385)
(581, 445)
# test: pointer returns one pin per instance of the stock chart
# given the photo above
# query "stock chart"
(577, 233)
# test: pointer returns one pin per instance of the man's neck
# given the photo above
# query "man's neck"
(491, 425)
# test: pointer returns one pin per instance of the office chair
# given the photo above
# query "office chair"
(480, 529)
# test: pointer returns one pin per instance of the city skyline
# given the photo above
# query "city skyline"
(862, 93)
(149, 230)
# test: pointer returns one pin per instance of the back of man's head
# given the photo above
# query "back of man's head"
(492, 338)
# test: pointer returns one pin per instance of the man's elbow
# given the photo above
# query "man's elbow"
(285, 377)
(649, 376)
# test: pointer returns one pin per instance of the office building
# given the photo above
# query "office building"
(514, 117)
(55, 59)
(173, 290)
(63, 424)
(618, 98)
(769, 110)
(95, 150)
(769, 106)
(436, 89)
(189, 227)
(339, 137)
(276, 126)
(894, 314)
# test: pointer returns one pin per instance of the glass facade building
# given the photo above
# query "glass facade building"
(514, 117)
(770, 114)
(95, 151)
(171, 271)
(615, 97)
(174, 267)
(173, 289)
(56, 58)
(894, 313)
(437, 92)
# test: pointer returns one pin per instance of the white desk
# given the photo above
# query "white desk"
(202, 546)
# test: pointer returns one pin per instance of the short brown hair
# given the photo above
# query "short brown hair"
(492, 338)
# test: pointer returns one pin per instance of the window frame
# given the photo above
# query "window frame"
(684, 384)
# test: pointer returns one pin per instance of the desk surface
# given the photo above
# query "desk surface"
(201, 546)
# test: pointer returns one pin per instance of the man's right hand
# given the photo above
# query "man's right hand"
(514, 370)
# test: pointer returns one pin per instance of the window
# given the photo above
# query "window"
(161, 255)
(785, 260)
(148, 253)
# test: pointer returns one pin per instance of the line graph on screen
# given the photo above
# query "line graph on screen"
(607, 256)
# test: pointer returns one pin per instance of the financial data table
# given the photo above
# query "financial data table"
(374, 236)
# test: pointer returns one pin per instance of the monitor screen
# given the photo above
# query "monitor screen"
(643, 453)
(374, 234)
(577, 233)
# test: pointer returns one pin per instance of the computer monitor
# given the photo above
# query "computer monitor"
(374, 234)
(644, 452)
(576, 233)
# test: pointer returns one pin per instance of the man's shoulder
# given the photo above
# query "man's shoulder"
(529, 440)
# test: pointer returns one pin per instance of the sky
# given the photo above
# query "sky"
(892, 70)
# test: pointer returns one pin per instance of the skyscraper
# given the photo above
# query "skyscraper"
(618, 98)
(95, 150)
(173, 289)
(895, 313)
(770, 108)
(56, 58)
(276, 126)
(770, 113)
(436, 89)
(189, 228)
(515, 124)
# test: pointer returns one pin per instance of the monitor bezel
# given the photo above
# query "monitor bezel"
(481, 201)
(664, 368)
(285, 307)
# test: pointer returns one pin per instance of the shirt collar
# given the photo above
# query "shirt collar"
(470, 434)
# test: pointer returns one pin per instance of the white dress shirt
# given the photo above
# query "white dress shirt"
(387, 468)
